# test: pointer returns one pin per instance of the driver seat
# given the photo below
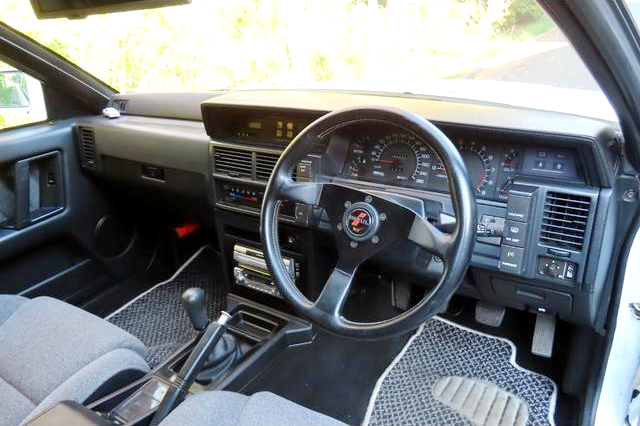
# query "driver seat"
(222, 408)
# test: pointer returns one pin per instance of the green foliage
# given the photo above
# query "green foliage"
(525, 19)
(213, 44)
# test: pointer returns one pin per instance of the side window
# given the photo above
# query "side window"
(21, 98)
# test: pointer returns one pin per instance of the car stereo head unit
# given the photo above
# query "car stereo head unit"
(250, 270)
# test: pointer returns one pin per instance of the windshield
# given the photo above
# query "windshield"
(490, 50)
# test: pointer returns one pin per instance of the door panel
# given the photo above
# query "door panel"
(51, 213)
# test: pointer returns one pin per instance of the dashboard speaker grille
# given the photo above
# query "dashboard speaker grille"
(564, 221)
(264, 165)
(87, 147)
(233, 162)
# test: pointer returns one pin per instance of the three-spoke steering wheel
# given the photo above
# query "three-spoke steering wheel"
(364, 224)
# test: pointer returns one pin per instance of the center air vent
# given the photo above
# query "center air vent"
(87, 147)
(233, 162)
(265, 164)
(564, 221)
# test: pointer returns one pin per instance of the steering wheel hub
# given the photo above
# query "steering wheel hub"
(360, 221)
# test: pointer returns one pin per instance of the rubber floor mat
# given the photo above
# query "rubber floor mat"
(157, 318)
(408, 391)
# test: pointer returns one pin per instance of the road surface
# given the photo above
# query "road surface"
(560, 66)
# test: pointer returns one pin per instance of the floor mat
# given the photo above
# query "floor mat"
(156, 316)
(406, 392)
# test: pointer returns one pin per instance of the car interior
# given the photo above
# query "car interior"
(303, 256)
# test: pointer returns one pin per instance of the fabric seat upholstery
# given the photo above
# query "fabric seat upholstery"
(220, 408)
(51, 351)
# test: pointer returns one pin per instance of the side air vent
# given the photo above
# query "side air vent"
(120, 105)
(87, 147)
(233, 162)
(564, 220)
(264, 165)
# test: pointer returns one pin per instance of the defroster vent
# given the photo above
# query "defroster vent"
(233, 162)
(87, 147)
(564, 221)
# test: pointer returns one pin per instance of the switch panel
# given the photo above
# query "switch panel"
(557, 268)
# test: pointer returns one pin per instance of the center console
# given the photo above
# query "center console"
(263, 334)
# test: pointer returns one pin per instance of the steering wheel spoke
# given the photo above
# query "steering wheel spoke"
(301, 192)
(428, 236)
(336, 290)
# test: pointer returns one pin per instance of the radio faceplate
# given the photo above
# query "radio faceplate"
(250, 270)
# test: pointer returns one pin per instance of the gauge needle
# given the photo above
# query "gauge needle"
(386, 161)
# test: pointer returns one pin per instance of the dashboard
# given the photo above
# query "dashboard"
(548, 177)
(388, 155)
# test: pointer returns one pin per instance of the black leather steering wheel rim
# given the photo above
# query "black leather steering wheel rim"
(455, 248)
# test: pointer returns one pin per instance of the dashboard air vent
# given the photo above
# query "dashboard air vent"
(233, 162)
(87, 147)
(564, 220)
(265, 164)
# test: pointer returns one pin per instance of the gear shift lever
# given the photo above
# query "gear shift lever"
(213, 331)
(193, 302)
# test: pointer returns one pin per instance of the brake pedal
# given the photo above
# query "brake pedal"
(488, 314)
(543, 335)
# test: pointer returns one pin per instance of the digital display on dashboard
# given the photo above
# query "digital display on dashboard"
(270, 129)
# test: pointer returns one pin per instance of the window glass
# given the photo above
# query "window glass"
(502, 51)
(21, 98)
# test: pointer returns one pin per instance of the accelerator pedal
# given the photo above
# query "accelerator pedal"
(489, 314)
(543, 335)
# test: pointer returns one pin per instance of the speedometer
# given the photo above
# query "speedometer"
(401, 157)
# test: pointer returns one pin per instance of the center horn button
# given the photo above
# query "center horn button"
(360, 221)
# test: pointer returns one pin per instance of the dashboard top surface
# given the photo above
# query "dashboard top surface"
(438, 110)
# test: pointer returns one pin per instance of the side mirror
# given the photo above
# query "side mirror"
(13, 90)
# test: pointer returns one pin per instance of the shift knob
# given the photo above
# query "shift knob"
(193, 302)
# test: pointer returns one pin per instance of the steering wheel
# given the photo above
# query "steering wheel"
(365, 223)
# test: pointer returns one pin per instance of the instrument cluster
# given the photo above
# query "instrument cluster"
(394, 157)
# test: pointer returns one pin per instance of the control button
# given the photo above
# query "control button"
(511, 259)
(557, 268)
(519, 208)
(515, 233)
(539, 164)
(303, 171)
(550, 267)
(558, 166)
(572, 268)
(302, 213)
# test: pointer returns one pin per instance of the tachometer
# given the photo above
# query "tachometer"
(401, 157)
(481, 167)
